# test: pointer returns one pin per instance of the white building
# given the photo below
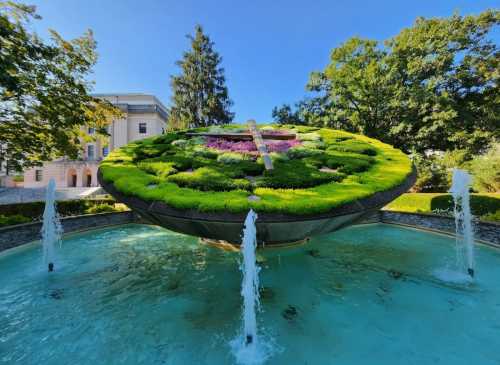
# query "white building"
(144, 116)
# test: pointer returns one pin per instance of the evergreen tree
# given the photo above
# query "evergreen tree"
(200, 96)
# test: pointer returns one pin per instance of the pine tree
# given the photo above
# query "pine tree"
(200, 96)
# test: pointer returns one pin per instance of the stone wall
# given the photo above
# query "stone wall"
(486, 232)
(20, 234)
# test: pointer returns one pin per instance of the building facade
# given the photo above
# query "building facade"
(143, 116)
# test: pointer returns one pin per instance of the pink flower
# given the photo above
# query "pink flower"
(249, 146)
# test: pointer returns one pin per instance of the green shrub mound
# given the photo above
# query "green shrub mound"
(328, 168)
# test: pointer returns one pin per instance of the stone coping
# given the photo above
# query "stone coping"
(484, 232)
(20, 234)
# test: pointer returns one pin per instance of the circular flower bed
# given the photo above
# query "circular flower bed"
(316, 171)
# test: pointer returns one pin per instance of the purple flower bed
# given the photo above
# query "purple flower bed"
(248, 146)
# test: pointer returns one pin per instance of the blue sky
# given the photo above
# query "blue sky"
(268, 47)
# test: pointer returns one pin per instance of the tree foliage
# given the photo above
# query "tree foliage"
(486, 170)
(200, 95)
(44, 93)
(432, 86)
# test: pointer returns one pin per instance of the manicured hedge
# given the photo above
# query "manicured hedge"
(485, 206)
(34, 210)
(13, 219)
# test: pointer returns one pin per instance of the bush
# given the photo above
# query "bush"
(230, 158)
(103, 208)
(354, 146)
(294, 175)
(34, 210)
(432, 176)
(208, 178)
(486, 170)
(301, 152)
(13, 219)
(491, 217)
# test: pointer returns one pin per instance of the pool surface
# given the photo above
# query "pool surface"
(372, 294)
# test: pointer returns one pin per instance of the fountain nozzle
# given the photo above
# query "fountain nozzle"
(51, 266)
(249, 339)
(470, 271)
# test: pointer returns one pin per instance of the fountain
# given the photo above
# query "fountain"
(250, 284)
(246, 346)
(51, 229)
(463, 220)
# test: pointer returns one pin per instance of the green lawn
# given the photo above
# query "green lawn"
(485, 206)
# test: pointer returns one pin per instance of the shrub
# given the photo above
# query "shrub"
(348, 163)
(230, 158)
(13, 219)
(101, 208)
(34, 210)
(295, 174)
(153, 150)
(202, 151)
(301, 152)
(180, 143)
(309, 137)
(486, 170)
(355, 146)
(491, 217)
(432, 176)
(157, 167)
(208, 178)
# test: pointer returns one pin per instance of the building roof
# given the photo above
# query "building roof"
(135, 102)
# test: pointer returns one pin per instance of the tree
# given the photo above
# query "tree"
(433, 86)
(486, 170)
(44, 93)
(200, 95)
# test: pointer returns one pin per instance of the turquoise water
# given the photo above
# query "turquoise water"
(144, 295)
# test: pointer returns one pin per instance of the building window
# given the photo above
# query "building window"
(91, 130)
(142, 128)
(91, 152)
(105, 151)
(38, 175)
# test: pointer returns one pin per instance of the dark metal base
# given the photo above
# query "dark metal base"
(271, 228)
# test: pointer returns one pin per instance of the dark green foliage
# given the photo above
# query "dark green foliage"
(435, 85)
(208, 179)
(302, 152)
(295, 174)
(34, 210)
(44, 91)
(153, 150)
(348, 164)
(479, 204)
(349, 145)
(167, 138)
(199, 94)
(13, 219)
